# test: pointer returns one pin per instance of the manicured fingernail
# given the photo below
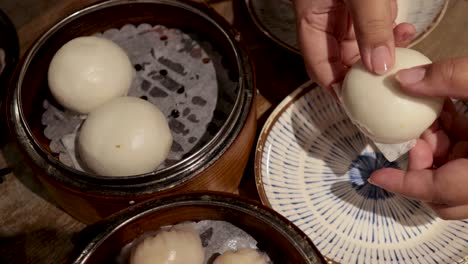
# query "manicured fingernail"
(336, 88)
(381, 59)
(371, 181)
(411, 76)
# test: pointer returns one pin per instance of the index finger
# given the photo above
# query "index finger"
(316, 25)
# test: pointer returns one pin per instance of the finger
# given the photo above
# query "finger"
(459, 127)
(449, 112)
(416, 184)
(438, 141)
(446, 185)
(317, 22)
(349, 52)
(455, 123)
(441, 79)
(373, 26)
(420, 156)
(459, 150)
(394, 9)
(404, 33)
(451, 212)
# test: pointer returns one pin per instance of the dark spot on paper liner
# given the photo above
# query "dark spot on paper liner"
(145, 85)
(175, 113)
(142, 66)
(176, 147)
(158, 92)
(196, 53)
(178, 127)
(197, 100)
(192, 140)
(176, 67)
(206, 236)
(186, 111)
(163, 37)
(163, 72)
(171, 84)
(152, 53)
(138, 67)
(193, 118)
(167, 82)
(181, 90)
(188, 45)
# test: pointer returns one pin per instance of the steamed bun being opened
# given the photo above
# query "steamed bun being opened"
(89, 71)
(123, 137)
(241, 256)
(381, 110)
(176, 246)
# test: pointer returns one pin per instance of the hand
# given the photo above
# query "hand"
(438, 164)
(331, 41)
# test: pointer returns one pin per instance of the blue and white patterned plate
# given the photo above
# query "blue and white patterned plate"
(312, 166)
(275, 18)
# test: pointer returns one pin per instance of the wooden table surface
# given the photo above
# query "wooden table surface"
(34, 230)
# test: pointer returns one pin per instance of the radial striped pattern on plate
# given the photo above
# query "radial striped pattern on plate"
(314, 170)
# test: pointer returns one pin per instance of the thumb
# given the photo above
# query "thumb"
(373, 25)
(445, 185)
(447, 78)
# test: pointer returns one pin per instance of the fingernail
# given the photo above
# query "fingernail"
(337, 89)
(411, 76)
(381, 59)
(371, 181)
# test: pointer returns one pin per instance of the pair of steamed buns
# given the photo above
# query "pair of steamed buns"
(122, 136)
(183, 245)
(380, 109)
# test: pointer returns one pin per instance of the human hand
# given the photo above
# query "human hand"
(331, 41)
(438, 164)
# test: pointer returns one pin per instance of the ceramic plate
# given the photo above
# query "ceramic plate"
(275, 18)
(312, 166)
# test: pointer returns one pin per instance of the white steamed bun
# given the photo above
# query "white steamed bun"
(123, 137)
(89, 71)
(378, 107)
(179, 246)
(243, 256)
